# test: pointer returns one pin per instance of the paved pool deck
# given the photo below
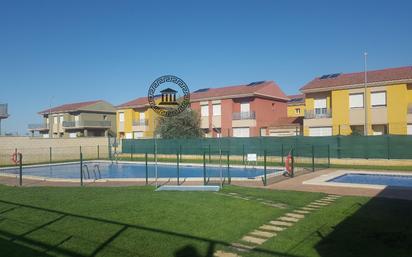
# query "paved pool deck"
(293, 184)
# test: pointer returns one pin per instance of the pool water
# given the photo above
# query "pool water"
(375, 179)
(132, 170)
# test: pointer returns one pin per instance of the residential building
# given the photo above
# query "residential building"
(335, 103)
(85, 119)
(296, 105)
(135, 119)
(239, 111)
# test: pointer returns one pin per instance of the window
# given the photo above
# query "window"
(121, 116)
(356, 100)
(129, 135)
(320, 106)
(142, 116)
(244, 107)
(104, 117)
(378, 130)
(263, 131)
(378, 99)
(218, 132)
(204, 110)
(76, 118)
(297, 110)
(216, 110)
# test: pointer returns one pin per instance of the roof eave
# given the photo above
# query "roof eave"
(350, 86)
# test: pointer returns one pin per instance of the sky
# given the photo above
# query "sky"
(64, 51)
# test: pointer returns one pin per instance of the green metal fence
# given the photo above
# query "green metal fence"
(365, 147)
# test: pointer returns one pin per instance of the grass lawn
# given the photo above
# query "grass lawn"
(136, 221)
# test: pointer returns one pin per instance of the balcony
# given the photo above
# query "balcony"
(87, 124)
(318, 113)
(244, 116)
(38, 127)
(142, 122)
(3, 111)
(410, 109)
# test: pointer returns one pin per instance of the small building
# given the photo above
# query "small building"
(135, 119)
(84, 119)
(335, 103)
(4, 114)
(286, 126)
(239, 111)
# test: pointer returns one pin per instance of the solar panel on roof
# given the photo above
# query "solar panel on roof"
(334, 75)
(325, 76)
(201, 90)
(255, 83)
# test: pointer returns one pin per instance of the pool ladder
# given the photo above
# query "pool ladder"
(116, 157)
(96, 167)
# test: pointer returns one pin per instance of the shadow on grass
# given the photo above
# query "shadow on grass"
(23, 245)
(380, 227)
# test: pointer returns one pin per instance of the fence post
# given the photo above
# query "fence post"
(229, 179)
(313, 158)
(50, 155)
(293, 162)
(131, 151)
(243, 153)
(328, 156)
(20, 169)
(98, 152)
(204, 168)
(281, 153)
(178, 171)
(388, 147)
(180, 151)
(209, 154)
(264, 167)
(147, 173)
(81, 168)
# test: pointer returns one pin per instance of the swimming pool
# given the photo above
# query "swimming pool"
(363, 179)
(125, 170)
(375, 179)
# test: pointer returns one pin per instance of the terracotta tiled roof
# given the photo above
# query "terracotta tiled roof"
(69, 107)
(262, 88)
(287, 121)
(138, 102)
(296, 99)
(357, 79)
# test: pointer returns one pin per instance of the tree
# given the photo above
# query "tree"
(184, 125)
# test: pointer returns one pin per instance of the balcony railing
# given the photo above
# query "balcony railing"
(3, 111)
(318, 113)
(142, 122)
(87, 123)
(38, 126)
(244, 116)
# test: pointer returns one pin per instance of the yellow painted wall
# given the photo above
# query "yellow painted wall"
(292, 112)
(397, 103)
(340, 112)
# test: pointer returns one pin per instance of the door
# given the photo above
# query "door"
(241, 132)
(138, 134)
(245, 107)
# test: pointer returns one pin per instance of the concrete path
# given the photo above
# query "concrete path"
(270, 230)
